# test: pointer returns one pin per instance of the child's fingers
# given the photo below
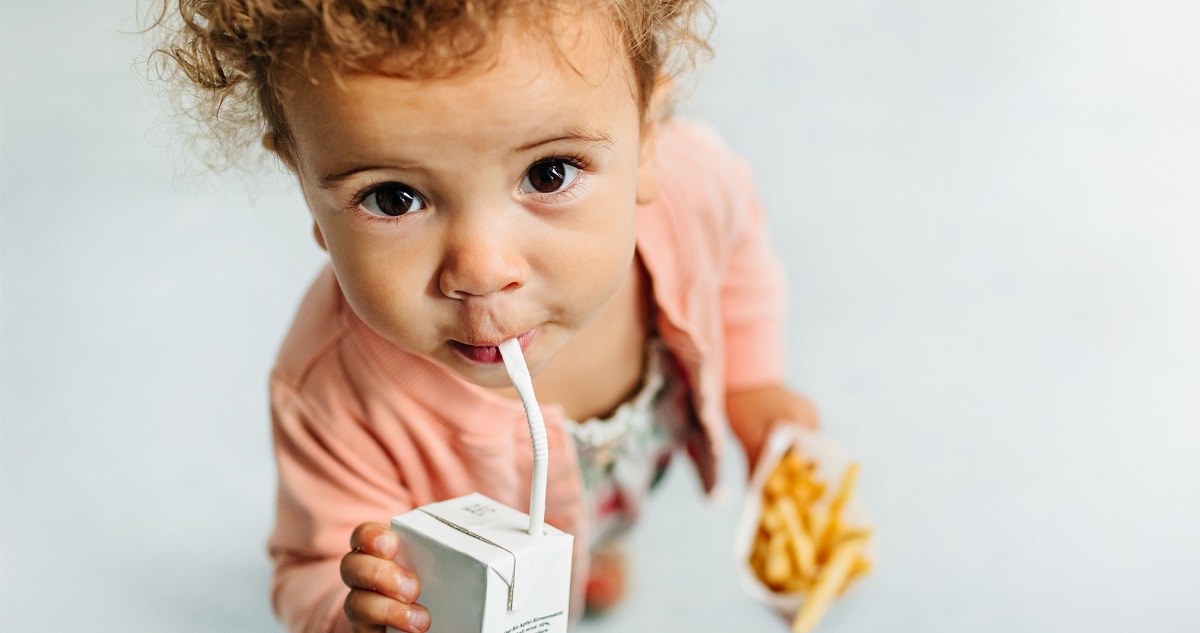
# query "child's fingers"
(802, 410)
(368, 607)
(364, 571)
(375, 539)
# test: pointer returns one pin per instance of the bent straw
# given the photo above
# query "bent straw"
(518, 373)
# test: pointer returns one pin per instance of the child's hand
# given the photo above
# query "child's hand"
(382, 593)
(752, 413)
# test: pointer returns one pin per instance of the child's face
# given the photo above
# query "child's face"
(498, 203)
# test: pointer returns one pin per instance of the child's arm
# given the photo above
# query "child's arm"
(753, 301)
(332, 475)
(754, 410)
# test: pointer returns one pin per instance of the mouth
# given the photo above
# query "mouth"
(488, 352)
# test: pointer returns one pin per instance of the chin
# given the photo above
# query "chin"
(488, 378)
(487, 375)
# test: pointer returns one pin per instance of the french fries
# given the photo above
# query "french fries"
(804, 543)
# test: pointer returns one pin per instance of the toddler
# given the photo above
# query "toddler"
(480, 170)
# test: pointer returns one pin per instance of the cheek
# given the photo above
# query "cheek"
(384, 285)
(592, 262)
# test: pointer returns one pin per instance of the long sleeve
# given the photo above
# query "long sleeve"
(753, 291)
(333, 476)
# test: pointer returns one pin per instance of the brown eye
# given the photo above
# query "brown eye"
(392, 200)
(549, 176)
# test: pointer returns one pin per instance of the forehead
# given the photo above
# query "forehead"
(529, 81)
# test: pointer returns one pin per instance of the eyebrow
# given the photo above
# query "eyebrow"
(330, 181)
(594, 138)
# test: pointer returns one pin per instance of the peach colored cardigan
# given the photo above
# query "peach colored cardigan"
(364, 431)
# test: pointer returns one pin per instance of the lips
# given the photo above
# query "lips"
(488, 353)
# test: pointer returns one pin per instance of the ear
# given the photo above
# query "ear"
(319, 237)
(647, 173)
(647, 177)
(275, 145)
(270, 142)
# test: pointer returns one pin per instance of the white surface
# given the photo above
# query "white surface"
(473, 551)
(988, 213)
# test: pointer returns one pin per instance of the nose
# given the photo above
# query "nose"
(481, 258)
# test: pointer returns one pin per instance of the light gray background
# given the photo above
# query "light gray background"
(988, 213)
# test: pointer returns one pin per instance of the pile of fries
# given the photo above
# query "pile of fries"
(804, 543)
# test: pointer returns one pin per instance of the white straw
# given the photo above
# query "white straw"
(518, 373)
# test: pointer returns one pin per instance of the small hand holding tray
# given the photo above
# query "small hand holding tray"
(814, 521)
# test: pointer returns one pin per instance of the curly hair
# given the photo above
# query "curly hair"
(221, 58)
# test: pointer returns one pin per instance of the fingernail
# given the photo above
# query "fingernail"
(418, 618)
(381, 543)
(408, 587)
